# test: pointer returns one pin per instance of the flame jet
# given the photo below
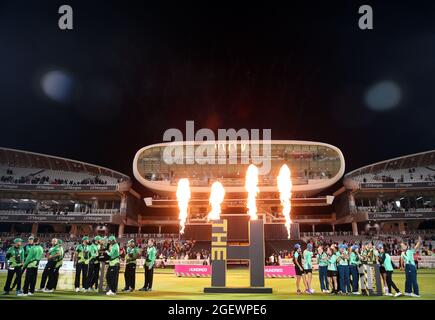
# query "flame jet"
(284, 182)
(183, 197)
(251, 186)
(217, 195)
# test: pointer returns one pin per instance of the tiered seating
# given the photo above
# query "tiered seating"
(420, 174)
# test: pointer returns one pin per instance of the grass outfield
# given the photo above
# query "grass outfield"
(168, 286)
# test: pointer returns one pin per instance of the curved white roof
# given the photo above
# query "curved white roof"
(308, 189)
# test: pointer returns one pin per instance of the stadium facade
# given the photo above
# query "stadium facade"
(315, 166)
(391, 196)
(42, 193)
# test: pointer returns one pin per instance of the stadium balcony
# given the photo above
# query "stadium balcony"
(27, 170)
(414, 168)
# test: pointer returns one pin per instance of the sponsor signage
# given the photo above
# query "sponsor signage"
(397, 185)
(401, 215)
(66, 265)
(279, 271)
(53, 187)
(182, 270)
(40, 218)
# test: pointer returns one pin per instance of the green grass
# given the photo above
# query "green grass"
(168, 286)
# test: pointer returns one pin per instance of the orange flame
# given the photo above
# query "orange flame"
(217, 195)
(251, 186)
(183, 197)
(285, 194)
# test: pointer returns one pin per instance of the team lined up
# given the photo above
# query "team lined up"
(346, 270)
(89, 258)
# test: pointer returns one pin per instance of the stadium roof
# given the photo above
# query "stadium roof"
(422, 159)
(25, 159)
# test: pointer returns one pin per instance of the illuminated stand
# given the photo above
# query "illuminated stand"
(220, 252)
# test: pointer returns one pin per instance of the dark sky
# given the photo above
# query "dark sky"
(139, 68)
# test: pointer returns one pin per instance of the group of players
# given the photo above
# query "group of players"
(89, 258)
(344, 270)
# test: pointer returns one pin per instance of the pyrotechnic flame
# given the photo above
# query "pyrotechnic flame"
(217, 195)
(251, 186)
(183, 197)
(285, 194)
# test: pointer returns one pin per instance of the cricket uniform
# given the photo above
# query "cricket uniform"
(54, 277)
(34, 255)
(388, 265)
(82, 252)
(354, 262)
(343, 272)
(130, 267)
(410, 272)
(322, 261)
(298, 257)
(308, 264)
(15, 258)
(113, 270)
(94, 265)
(49, 267)
(149, 267)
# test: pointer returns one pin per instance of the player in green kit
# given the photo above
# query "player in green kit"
(332, 269)
(343, 269)
(113, 270)
(354, 262)
(82, 263)
(26, 251)
(411, 284)
(149, 266)
(31, 263)
(94, 264)
(308, 267)
(130, 266)
(53, 279)
(388, 265)
(322, 261)
(53, 252)
(15, 259)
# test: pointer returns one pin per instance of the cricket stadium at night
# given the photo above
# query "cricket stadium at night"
(226, 219)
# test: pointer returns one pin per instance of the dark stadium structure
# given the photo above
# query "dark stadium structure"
(41, 193)
(391, 196)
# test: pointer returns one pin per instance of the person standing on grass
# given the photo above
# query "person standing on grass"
(379, 256)
(343, 269)
(94, 264)
(322, 262)
(149, 266)
(132, 253)
(15, 259)
(354, 262)
(308, 267)
(297, 260)
(82, 264)
(332, 269)
(411, 285)
(388, 265)
(113, 270)
(31, 263)
(50, 264)
(54, 276)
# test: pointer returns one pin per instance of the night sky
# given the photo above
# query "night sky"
(130, 70)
